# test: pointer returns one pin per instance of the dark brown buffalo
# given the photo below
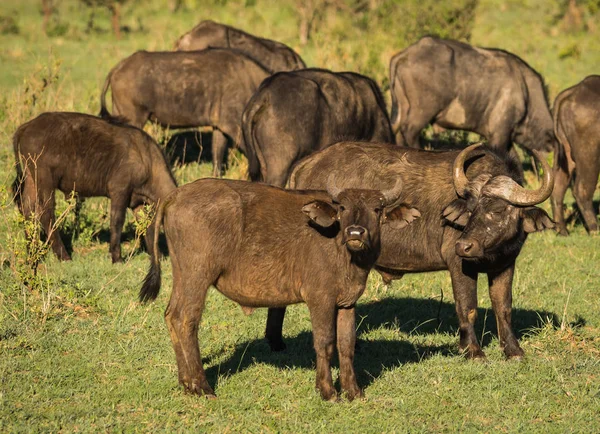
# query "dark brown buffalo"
(75, 152)
(491, 92)
(263, 246)
(186, 89)
(577, 128)
(471, 224)
(274, 55)
(296, 113)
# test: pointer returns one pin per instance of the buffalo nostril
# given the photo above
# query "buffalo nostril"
(467, 246)
(355, 230)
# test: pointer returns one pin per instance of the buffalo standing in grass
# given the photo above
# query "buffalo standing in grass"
(491, 92)
(274, 55)
(296, 113)
(263, 246)
(186, 89)
(577, 127)
(476, 218)
(79, 153)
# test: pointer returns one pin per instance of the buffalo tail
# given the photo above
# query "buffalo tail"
(151, 286)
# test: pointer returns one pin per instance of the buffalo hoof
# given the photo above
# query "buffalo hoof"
(351, 395)
(64, 257)
(277, 345)
(514, 353)
(195, 389)
(118, 260)
(563, 232)
(473, 352)
(328, 394)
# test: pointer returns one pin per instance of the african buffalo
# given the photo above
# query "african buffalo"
(274, 55)
(472, 223)
(577, 127)
(263, 246)
(489, 91)
(75, 152)
(296, 113)
(186, 89)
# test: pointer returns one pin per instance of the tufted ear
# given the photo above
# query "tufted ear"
(535, 219)
(322, 213)
(400, 216)
(457, 212)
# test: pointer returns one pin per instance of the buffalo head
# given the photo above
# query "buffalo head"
(492, 211)
(360, 214)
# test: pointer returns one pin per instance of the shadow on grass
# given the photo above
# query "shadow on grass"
(410, 315)
(192, 147)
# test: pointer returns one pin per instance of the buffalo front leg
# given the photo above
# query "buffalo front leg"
(46, 214)
(464, 287)
(219, 146)
(118, 208)
(323, 319)
(346, 340)
(501, 295)
(183, 316)
(273, 332)
(586, 179)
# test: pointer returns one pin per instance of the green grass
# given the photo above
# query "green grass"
(79, 353)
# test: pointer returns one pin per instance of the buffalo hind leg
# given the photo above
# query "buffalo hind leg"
(464, 286)
(500, 284)
(118, 209)
(584, 197)
(219, 146)
(183, 316)
(273, 332)
(323, 319)
(561, 183)
(346, 341)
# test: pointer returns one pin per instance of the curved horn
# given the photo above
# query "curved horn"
(390, 196)
(458, 170)
(332, 189)
(506, 188)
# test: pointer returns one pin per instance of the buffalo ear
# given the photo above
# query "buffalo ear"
(400, 216)
(457, 212)
(535, 219)
(322, 213)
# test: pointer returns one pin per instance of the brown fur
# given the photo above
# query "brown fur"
(274, 55)
(491, 92)
(577, 157)
(262, 246)
(490, 231)
(92, 157)
(186, 89)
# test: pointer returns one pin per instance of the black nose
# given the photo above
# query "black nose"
(468, 248)
(355, 231)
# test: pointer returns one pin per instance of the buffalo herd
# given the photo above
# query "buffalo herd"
(338, 188)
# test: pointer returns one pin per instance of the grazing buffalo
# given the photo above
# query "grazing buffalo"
(75, 152)
(491, 92)
(263, 246)
(186, 89)
(476, 218)
(296, 113)
(274, 55)
(577, 128)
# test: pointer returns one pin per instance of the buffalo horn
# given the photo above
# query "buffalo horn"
(461, 182)
(390, 196)
(506, 188)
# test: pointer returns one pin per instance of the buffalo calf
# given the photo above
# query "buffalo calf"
(262, 246)
(75, 152)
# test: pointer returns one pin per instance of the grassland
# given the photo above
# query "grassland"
(79, 353)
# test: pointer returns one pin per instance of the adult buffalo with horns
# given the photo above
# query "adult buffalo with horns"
(475, 219)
